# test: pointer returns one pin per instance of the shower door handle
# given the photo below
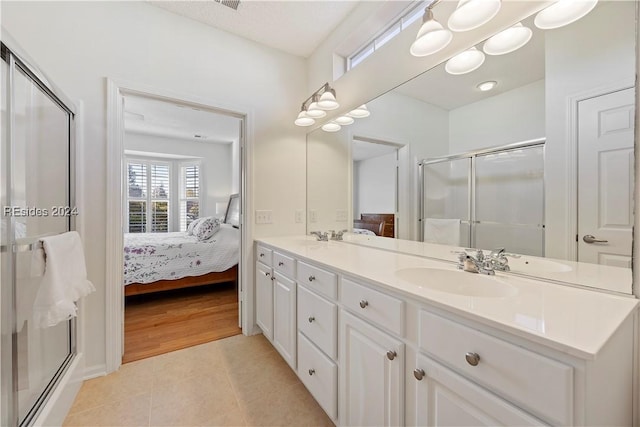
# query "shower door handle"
(591, 239)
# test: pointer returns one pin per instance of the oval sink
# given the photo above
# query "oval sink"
(457, 282)
(537, 265)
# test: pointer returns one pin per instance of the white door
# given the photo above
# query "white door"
(264, 299)
(605, 175)
(444, 398)
(284, 318)
(371, 379)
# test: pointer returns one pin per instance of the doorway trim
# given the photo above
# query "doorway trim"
(114, 291)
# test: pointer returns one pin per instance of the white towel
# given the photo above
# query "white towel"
(64, 281)
(442, 231)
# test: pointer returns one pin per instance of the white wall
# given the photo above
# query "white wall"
(513, 116)
(216, 172)
(374, 185)
(79, 44)
(577, 62)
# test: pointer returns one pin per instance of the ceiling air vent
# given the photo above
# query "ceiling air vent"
(233, 4)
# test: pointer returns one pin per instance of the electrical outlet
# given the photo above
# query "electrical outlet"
(264, 217)
(341, 215)
(299, 216)
(313, 216)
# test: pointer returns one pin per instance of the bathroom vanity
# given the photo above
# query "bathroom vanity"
(384, 338)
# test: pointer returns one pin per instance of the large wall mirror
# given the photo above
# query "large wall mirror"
(541, 164)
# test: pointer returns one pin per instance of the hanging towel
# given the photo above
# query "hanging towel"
(442, 231)
(64, 281)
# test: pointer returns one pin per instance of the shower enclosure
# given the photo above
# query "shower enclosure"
(496, 195)
(37, 197)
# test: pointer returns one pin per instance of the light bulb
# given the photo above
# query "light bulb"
(471, 14)
(315, 112)
(563, 12)
(344, 120)
(328, 101)
(508, 40)
(465, 62)
(487, 86)
(331, 127)
(303, 119)
(432, 37)
(360, 112)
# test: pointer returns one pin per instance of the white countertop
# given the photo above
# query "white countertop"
(572, 320)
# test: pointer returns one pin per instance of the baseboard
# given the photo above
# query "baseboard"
(94, 371)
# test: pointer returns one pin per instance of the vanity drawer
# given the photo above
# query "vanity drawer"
(531, 381)
(385, 310)
(264, 255)
(284, 264)
(319, 374)
(318, 320)
(321, 281)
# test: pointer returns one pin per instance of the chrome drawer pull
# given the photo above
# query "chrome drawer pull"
(364, 303)
(273, 278)
(418, 373)
(312, 371)
(312, 278)
(267, 274)
(281, 263)
(391, 354)
(472, 358)
(311, 319)
(261, 255)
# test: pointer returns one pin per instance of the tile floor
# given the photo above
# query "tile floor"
(237, 381)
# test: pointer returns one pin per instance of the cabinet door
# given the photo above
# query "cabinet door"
(284, 318)
(371, 375)
(264, 299)
(445, 398)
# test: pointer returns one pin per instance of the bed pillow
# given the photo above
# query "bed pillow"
(192, 225)
(205, 229)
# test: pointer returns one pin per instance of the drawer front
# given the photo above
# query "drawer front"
(321, 281)
(318, 320)
(536, 383)
(284, 264)
(264, 255)
(385, 310)
(319, 374)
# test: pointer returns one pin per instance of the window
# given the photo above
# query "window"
(148, 196)
(189, 194)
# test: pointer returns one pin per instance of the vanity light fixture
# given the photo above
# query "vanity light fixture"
(331, 127)
(563, 12)
(432, 36)
(465, 62)
(508, 40)
(360, 112)
(344, 120)
(487, 86)
(471, 14)
(315, 106)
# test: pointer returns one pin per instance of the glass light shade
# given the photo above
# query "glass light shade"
(331, 127)
(314, 112)
(303, 119)
(344, 120)
(360, 112)
(465, 62)
(486, 86)
(432, 37)
(471, 14)
(328, 101)
(563, 12)
(508, 40)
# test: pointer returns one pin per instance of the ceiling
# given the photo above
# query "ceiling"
(513, 70)
(161, 118)
(363, 150)
(296, 27)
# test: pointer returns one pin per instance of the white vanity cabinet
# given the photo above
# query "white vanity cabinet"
(264, 299)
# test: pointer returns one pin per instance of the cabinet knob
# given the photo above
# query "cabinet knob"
(364, 303)
(261, 255)
(273, 278)
(312, 371)
(267, 274)
(472, 358)
(312, 278)
(418, 373)
(311, 319)
(391, 354)
(281, 263)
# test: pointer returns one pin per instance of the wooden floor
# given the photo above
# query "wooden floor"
(166, 321)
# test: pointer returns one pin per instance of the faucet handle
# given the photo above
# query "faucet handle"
(497, 252)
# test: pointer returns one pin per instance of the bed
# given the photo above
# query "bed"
(156, 262)
(378, 224)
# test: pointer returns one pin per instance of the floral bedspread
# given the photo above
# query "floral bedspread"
(149, 257)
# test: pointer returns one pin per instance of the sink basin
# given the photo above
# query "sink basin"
(537, 265)
(457, 282)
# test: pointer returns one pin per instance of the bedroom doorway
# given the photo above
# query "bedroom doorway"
(176, 243)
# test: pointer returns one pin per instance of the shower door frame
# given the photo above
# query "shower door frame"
(10, 414)
(472, 155)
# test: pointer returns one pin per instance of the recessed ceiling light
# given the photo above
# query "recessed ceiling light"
(508, 40)
(486, 86)
(465, 62)
(563, 12)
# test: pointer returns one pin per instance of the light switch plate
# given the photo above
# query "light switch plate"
(299, 216)
(313, 215)
(264, 217)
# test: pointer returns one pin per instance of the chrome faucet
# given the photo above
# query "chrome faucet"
(475, 264)
(321, 236)
(337, 235)
(499, 259)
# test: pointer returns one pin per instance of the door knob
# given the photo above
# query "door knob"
(591, 239)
